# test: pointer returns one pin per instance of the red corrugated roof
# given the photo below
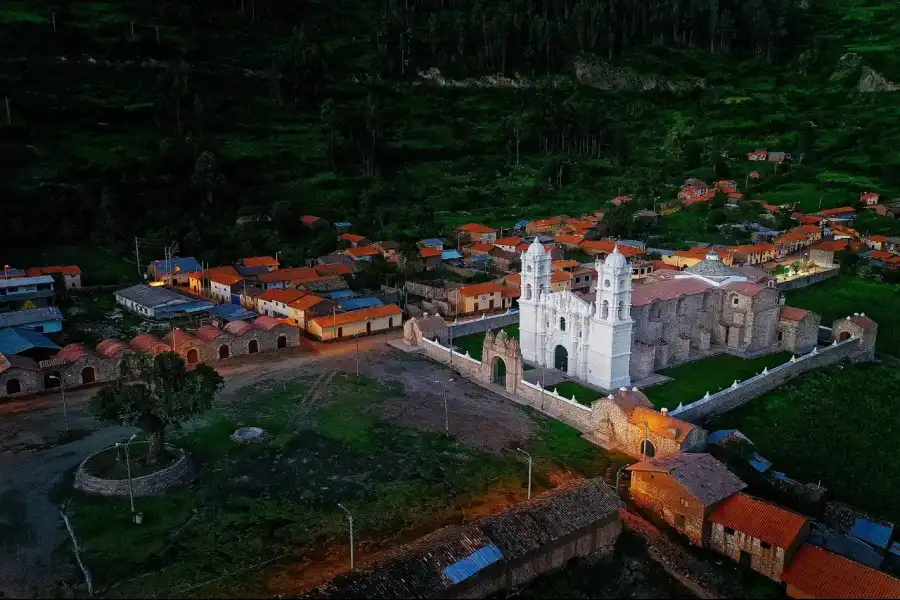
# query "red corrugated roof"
(144, 341)
(362, 251)
(429, 252)
(335, 269)
(838, 211)
(294, 274)
(208, 333)
(260, 261)
(791, 313)
(352, 237)
(111, 347)
(283, 296)
(72, 352)
(308, 219)
(758, 519)
(482, 247)
(61, 269)
(355, 316)
(607, 247)
(819, 573)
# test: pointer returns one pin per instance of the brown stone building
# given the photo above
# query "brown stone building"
(798, 329)
(683, 489)
(494, 554)
(757, 534)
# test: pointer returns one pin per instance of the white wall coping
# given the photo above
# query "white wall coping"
(455, 353)
(556, 396)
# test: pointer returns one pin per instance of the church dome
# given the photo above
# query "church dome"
(615, 260)
(536, 248)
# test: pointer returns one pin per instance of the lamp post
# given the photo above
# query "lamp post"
(529, 470)
(619, 475)
(62, 391)
(350, 519)
(128, 467)
(446, 410)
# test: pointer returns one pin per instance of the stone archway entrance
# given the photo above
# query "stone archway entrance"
(193, 357)
(498, 372)
(224, 351)
(561, 359)
(282, 342)
(87, 375)
(253, 347)
(845, 335)
(648, 449)
(13, 386)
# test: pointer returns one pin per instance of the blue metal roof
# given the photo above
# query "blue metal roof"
(177, 265)
(343, 224)
(29, 317)
(232, 312)
(15, 341)
(521, 224)
(718, 436)
(451, 255)
(877, 534)
(432, 242)
(187, 307)
(357, 303)
(468, 566)
(759, 463)
(339, 294)
(248, 271)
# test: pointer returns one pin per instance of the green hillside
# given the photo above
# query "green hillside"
(170, 120)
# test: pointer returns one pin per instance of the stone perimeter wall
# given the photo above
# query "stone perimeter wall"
(181, 471)
(483, 324)
(735, 396)
(802, 282)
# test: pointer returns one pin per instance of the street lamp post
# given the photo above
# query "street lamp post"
(128, 467)
(529, 470)
(446, 410)
(62, 391)
(350, 519)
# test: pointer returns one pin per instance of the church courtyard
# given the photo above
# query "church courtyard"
(377, 444)
(689, 382)
(473, 343)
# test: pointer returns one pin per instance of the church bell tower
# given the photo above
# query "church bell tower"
(609, 351)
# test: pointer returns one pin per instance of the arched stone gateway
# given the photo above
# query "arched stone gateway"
(498, 371)
(193, 357)
(561, 359)
(648, 449)
(253, 347)
(88, 375)
(224, 351)
(13, 387)
(282, 342)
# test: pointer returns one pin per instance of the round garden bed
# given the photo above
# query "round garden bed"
(106, 472)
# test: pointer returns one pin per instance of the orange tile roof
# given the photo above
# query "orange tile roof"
(283, 296)
(574, 239)
(355, 316)
(811, 220)
(476, 228)
(335, 269)
(607, 247)
(546, 222)
(790, 313)
(260, 261)
(508, 241)
(510, 292)
(427, 252)
(659, 265)
(807, 229)
(878, 238)
(309, 219)
(791, 236)
(362, 251)
(557, 265)
(758, 519)
(830, 246)
(819, 573)
(771, 207)
(144, 341)
(482, 247)
(351, 237)
(881, 255)
(837, 211)
(558, 276)
(61, 269)
(306, 302)
(293, 274)
(480, 288)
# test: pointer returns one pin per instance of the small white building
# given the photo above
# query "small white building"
(157, 301)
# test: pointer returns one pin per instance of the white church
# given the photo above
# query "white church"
(590, 341)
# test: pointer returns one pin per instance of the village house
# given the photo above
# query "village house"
(726, 186)
(508, 244)
(559, 281)
(286, 278)
(892, 245)
(816, 573)
(308, 307)
(757, 534)
(684, 259)
(798, 329)
(555, 252)
(389, 249)
(218, 283)
(26, 293)
(757, 155)
(158, 302)
(475, 232)
(337, 258)
(504, 260)
(789, 243)
(42, 320)
(876, 242)
(478, 249)
(641, 268)
(752, 254)
(334, 270)
(842, 213)
(569, 242)
(431, 243)
(356, 322)
(268, 262)
(174, 271)
(429, 258)
(583, 226)
(683, 489)
(70, 275)
(362, 252)
(823, 254)
(274, 302)
(479, 298)
(550, 226)
(778, 157)
(313, 222)
(869, 199)
(812, 233)
(352, 240)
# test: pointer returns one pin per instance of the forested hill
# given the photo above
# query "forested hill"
(170, 120)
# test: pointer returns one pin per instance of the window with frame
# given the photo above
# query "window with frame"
(765, 545)
(679, 521)
(729, 531)
(735, 300)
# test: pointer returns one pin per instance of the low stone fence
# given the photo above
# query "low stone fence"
(559, 407)
(485, 323)
(743, 391)
(179, 472)
(463, 363)
(802, 282)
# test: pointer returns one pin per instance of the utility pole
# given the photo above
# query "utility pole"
(157, 34)
(350, 519)
(8, 114)
(137, 256)
(53, 16)
(132, 31)
(529, 470)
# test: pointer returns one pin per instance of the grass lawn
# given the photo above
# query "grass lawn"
(98, 265)
(583, 395)
(693, 380)
(474, 343)
(845, 295)
(258, 501)
(837, 425)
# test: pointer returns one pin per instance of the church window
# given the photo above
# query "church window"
(604, 314)
(528, 292)
(541, 290)
(607, 283)
(735, 301)
(620, 313)
(562, 323)
(528, 268)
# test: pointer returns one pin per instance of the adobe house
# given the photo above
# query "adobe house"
(683, 490)
(757, 534)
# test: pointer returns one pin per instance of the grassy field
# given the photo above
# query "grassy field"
(582, 395)
(691, 381)
(844, 295)
(837, 425)
(473, 344)
(258, 501)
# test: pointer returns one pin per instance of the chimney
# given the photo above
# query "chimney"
(664, 411)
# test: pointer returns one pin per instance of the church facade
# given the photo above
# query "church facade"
(627, 330)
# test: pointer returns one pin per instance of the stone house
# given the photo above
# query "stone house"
(503, 259)
(19, 376)
(190, 347)
(683, 489)
(351, 240)
(471, 233)
(70, 275)
(494, 555)
(626, 421)
(798, 329)
(757, 534)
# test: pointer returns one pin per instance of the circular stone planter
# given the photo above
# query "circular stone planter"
(248, 434)
(179, 472)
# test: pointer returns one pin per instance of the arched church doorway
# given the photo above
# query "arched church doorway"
(561, 359)
(647, 449)
(498, 372)
(845, 335)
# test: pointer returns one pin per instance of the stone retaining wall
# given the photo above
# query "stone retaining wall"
(463, 363)
(484, 324)
(735, 396)
(802, 282)
(179, 472)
